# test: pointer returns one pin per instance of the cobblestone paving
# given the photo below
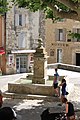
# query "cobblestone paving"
(75, 94)
(31, 109)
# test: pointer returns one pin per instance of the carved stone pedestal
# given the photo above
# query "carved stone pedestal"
(40, 66)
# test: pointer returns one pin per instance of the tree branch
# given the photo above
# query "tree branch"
(69, 15)
(73, 14)
(69, 4)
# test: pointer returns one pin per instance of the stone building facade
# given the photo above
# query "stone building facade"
(2, 46)
(23, 28)
(60, 47)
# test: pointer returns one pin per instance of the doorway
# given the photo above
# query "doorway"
(77, 59)
(21, 64)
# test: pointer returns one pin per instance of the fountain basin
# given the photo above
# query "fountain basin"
(36, 89)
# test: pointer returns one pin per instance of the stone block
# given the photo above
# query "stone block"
(35, 89)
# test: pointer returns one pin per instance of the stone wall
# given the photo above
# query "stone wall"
(69, 48)
(42, 26)
(32, 27)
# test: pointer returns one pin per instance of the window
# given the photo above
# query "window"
(23, 62)
(11, 59)
(78, 31)
(21, 40)
(20, 19)
(59, 55)
(60, 34)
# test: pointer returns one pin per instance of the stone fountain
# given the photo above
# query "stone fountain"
(39, 85)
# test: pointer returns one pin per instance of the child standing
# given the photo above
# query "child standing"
(63, 90)
(63, 84)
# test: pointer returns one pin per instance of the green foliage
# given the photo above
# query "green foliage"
(76, 1)
(3, 6)
(74, 35)
(44, 5)
(49, 13)
(33, 5)
(61, 6)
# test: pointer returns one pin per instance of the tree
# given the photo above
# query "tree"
(3, 7)
(54, 8)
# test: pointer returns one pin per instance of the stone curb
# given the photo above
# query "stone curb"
(30, 97)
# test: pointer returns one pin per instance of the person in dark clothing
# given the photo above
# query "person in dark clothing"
(63, 89)
(55, 83)
(46, 115)
(69, 109)
(7, 113)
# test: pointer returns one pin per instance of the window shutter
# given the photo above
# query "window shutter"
(16, 19)
(26, 19)
(57, 34)
(23, 20)
(64, 34)
(21, 41)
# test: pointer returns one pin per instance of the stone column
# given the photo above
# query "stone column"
(40, 65)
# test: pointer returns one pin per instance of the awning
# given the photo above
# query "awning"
(23, 51)
(2, 51)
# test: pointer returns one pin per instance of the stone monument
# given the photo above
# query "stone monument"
(39, 84)
(40, 64)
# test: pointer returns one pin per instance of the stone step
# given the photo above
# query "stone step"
(30, 96)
